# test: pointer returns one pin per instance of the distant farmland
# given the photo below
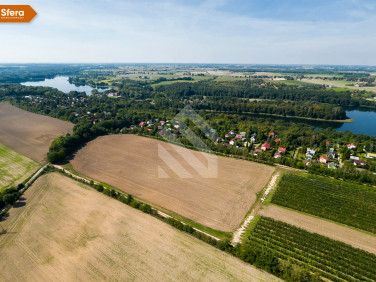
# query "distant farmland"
(14, 167)
(29, 134)
(130, 163)
(69, 232)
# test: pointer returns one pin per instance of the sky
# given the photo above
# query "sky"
(192, 31)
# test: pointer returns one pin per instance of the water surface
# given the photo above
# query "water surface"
(62, 83)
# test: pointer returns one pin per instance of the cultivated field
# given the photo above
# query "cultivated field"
(29, 134)
(130, 163)
(68, 232)
(329, 229)
(331, 259)
(14, 167)
(350, 204)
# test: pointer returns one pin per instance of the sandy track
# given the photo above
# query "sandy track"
(337, 232)
(70, 233)
(131, 162)
(29, 134)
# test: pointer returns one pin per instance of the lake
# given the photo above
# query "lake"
(364, 122)
(62, 83)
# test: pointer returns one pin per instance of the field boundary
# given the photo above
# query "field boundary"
(155, 211)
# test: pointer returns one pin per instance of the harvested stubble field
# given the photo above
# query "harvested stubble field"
(130, 163)
(14, 167)
(69, 232)
(29, 134)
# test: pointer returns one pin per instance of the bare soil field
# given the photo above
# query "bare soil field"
(334, 231)
(14, 167)
(131, 163)
(69, 232)
(29, 134)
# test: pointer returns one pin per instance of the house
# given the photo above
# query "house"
(359, 162)
(308, 156)
(232, 132)
(162, 122)
(256, 152)
(332, 165)
(354, 158)
(271, 134)
(265, 146)
(228, 135)
(142, 123)
(132, 127)
(327, 143)
(239, 136)
(149, 122)
(311, 151)
(323, 160)
(176, 126)
(331, 155)
(351, 146)
(243, 133)
(253, 139)
(277, 140)
(282, 150)
(277, 155)
(247, 144)
(232, 142)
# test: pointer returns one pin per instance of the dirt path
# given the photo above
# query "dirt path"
(239, 232)
(69, 232)
(334, 231)
(135, 164)
(162, 214)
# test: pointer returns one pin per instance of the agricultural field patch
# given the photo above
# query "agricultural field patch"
(357, 239)
(349, 204)
(69, 232)
(131, 163)
(330, 259)
(14, 167)
(29, 134)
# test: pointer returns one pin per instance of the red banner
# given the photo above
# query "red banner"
(16, 13)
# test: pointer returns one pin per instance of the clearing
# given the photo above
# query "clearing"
(329, 229)
(14, 167)
(131, 163)
(67, 231)
(29, 134)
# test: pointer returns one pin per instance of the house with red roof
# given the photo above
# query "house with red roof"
(142, 123)
(277, 140)
(351, 146)
(265, 146)
(282, 150)
(323, 160)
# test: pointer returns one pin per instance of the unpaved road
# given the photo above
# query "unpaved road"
(132, 163)
(334, 231)
(67, 232)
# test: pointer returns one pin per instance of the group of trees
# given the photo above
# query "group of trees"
(10, 195)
